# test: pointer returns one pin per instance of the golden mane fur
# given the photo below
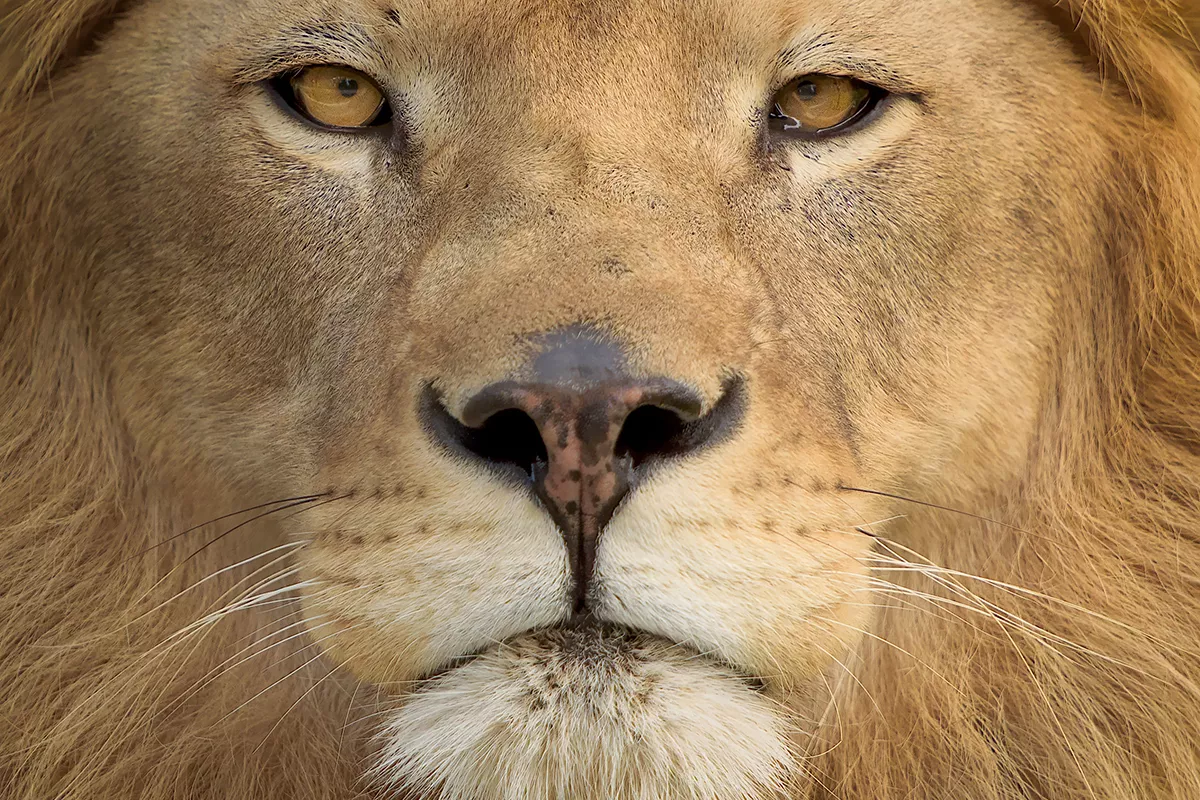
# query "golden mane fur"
(1088, 687)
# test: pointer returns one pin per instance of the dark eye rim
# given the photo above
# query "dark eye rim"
(279, 89)
(877, 99)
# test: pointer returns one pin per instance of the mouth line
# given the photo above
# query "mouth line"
(585, 624)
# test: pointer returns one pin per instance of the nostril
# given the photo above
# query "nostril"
(650, 431)
(506, 437)
(669, 424)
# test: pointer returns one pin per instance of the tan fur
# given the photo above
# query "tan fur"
(988, 301)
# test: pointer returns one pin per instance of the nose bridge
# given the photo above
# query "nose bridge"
(623, 221)
(579, 223)
(658, 277)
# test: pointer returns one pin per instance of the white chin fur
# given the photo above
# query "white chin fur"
(586, 715)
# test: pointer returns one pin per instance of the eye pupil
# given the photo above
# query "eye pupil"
(806, 90)
(347, 87)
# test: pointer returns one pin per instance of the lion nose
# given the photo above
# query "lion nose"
(583, 445)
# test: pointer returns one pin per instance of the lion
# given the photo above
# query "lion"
(672, 400)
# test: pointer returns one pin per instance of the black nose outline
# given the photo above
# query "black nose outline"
(523, 432)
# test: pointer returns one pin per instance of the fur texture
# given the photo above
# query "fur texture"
(567, 693)
(953, 552)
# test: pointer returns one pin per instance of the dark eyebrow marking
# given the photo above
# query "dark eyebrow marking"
(811, 45)
(312, 43)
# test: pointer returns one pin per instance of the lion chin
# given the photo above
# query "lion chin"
(586, 712)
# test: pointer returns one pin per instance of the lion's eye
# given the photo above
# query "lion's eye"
(334, 97)
(818, 104)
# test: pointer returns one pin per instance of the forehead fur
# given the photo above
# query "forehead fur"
(39, 36)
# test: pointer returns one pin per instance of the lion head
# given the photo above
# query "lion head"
(730, 399)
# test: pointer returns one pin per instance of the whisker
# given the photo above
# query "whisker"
(226, 666)
(217, 538)
(318, 505)
(320, 654)
(125, 625)
(849, 672)
(293, 569)
(299, 700)
(1016, 589)
(222, 571)
(349, 712)
(878, 493)
(145, 661)
(202, 627)
(306, 628)
(239, 605)
(945, 578)
(897, 647)
(299, 499)
(240, 525)
(989, 610)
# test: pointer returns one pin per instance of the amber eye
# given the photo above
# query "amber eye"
(820, 104)
(334, 96)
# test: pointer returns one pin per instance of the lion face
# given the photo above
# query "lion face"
(582, 351)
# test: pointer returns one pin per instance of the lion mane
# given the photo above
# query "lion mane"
(976, 687)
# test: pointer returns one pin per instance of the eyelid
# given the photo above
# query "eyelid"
(313, 45)
(800, 60)
(297, 60)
